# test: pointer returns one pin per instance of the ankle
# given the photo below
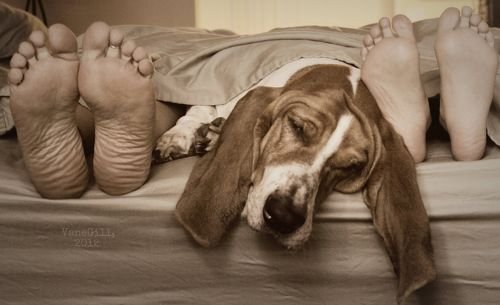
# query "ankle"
(418, 152)
(414, 139)
(468, 151)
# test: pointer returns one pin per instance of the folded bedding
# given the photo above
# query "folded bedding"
(200, 67)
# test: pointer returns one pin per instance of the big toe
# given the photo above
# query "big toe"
(403, 27)
(96, 40)
(62, 42)
(449, 19)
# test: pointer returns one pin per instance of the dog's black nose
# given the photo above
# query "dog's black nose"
(281, 215)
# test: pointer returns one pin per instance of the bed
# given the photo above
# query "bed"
(130, 249)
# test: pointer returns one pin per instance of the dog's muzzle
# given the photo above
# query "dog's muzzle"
(282, 215)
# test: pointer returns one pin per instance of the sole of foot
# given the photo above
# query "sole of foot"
(468, 65)
(115, 81)
(44, 97)
(391, 72)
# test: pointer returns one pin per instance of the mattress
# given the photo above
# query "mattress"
(130, 249)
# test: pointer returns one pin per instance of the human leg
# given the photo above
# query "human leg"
(115, 81)
(391, 72)
(44, 98)
(468, 65)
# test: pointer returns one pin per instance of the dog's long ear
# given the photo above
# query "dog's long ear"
(217, 188)
(393, 196)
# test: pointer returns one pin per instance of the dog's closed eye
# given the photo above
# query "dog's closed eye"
(301, 128)
(297, 125)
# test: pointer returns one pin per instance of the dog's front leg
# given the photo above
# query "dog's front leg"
(193, 134)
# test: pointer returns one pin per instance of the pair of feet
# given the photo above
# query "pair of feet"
(47, 78)
(468, 65)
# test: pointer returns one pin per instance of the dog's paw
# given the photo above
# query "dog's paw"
(174, 144)
(207, 135)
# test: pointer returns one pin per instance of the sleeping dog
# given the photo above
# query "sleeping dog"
(283, 150)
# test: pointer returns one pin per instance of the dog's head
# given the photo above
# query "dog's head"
(305, 145)
(284, 150)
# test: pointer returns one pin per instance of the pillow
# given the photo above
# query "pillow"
(15, 27)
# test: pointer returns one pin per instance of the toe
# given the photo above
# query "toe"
(465, 18)
(376, 33)
(95, 40)
(139, 54)
(37, 38)
(62, 42)
(475, 19)
(128, 48)
(403, 27)
(368, 42)
(15, 76)
(115, 43)
(483, 29)
(27, 50)
(145, 68)
(18, 61)
(449, 19)
(385, 25)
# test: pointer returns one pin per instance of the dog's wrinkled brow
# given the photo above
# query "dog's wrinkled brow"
(334, 142)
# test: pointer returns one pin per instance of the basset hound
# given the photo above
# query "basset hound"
(283, 150)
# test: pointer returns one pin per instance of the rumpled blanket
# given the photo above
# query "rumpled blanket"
(200, 67)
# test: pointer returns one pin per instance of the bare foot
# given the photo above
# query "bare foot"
(468, 64)
(115, 81)
(44, 97)
(391, 71)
